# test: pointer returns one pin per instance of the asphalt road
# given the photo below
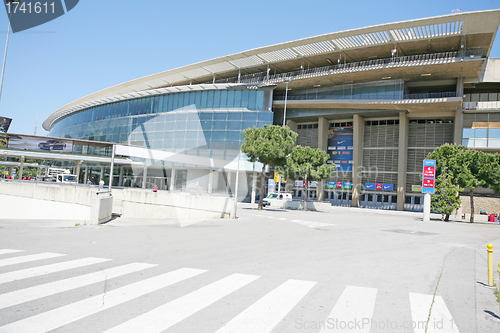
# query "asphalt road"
(347, 270)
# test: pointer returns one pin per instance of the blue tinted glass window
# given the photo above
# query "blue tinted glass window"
(259, 100)
(217, 102)
(223, 99)
(480, 132)
(219, 125)
(468, 133)
(237, 98)
(250, 116)
(251, 99)
(494, 133)
(234, 116)
(210, 101)
(198, 100)
(220, 116)
(244, 98)
(230, 98)
(234, 125)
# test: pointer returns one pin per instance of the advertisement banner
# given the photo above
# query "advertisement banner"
(302, 183)
(4, 124)
(39, 144)
(428, 176)
(340, 147)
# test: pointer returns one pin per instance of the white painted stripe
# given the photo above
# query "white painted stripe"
(67, 314)
(7, 251)
(355, 305)
(47, 269)
(266, 313)
(167, 315)
(28, 258)
(314, 224)
(440, 319)
(51, 288)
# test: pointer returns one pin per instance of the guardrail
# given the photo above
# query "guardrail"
(414, 60)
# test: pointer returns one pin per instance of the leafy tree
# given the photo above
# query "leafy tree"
(469, 169)
(268, 145)
(446, 197)
(305, 163)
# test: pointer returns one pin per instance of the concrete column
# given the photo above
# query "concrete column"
(210, 180)
(292, 124)
(254, 186)
(144, 176)
(77, 172)
(228, 185)
(357, 154)
(101, 176)
(458, 123)
(21, 167)
(322, 145)
(86, 175)
(10, 171)
(402, 158)
(172, 180)
(323, 134)
(120, 177)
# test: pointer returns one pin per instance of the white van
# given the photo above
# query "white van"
(276, 199)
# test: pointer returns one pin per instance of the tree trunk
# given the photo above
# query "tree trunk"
(446, 217)
(471, 206)
(307, 193)
(262, 186)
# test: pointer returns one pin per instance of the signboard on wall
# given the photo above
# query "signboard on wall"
(40, 144)
(302, 183)
(4, 124)
(379, 187)
(340, 147)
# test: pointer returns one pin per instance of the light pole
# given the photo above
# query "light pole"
(11, 3)
(286, 97)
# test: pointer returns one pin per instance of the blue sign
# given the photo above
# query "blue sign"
(388, 187)
(340, 147)
(370, 186)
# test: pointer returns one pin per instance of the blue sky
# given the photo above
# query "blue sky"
(99, 44)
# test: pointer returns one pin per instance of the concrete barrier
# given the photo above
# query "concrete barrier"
(311, 205)
(127, 202)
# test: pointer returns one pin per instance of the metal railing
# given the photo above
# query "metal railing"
(414, 60)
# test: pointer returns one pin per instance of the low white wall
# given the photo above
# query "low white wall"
(311, 205)
(128, 202)
(138, 203)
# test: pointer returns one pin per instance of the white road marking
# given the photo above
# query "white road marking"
(7, 251)
(313, 224)
(51, 288)
(28, 258)
(70, 313)
(355, 305)
(266, 313)
(47, 269)
(165, 316)
(440, 319)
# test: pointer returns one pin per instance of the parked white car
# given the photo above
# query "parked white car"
(276, 199)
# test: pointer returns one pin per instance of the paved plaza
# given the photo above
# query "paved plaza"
(345, 270)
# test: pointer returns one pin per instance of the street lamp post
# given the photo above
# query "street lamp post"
(16, 3)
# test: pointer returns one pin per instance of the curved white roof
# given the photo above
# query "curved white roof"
(480, 23)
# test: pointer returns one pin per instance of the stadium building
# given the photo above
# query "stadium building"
(377, 99)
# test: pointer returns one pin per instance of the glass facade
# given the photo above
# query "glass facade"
(481, 130)
(173, 122)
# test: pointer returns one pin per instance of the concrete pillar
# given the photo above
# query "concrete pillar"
(210, 180)
(228, 185)
(120, 177)
(144, 176)
(254, 186)
(458, 123)
(172, 180)
(21, 167)
(10, 171)
(101, 175)
(292, 124)
(86, 175)
(357, 154)
(77, 172)
(402, 158)
(322, 145)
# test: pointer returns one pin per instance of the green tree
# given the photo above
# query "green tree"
(268, 145)
(469, 169)
(305, 163)
(446, 197)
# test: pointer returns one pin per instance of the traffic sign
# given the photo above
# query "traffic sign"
(429, 176)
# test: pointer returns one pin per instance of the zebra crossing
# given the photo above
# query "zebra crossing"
(353, 311)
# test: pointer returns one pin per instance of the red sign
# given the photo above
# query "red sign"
(429, 171)
(339, 184)
(379, 186)
(428, 183)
